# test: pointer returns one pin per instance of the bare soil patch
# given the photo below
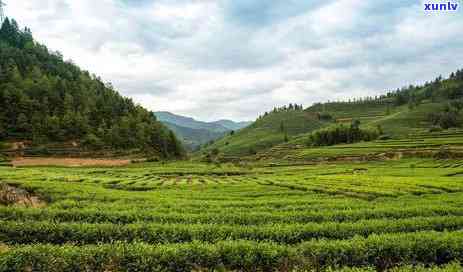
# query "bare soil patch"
(71, 162)
(10, 195)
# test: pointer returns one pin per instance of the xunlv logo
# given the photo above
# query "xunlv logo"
(449, 6)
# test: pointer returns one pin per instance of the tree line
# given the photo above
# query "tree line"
(45, 99)
(342, 134)
(437, 90)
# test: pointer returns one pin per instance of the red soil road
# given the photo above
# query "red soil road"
(71, 162)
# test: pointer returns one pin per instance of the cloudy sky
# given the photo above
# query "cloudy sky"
(214, 59)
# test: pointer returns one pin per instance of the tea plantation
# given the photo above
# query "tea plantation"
(404, 215)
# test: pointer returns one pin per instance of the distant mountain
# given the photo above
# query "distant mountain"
(188, 122)
(231, 125)
(193, 138)
(195, 133)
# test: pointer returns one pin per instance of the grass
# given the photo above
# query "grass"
(266, 134)
(420, 144)
(186, 216)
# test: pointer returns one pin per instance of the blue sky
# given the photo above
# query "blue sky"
(214, 59)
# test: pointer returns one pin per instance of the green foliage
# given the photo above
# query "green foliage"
(410, 110)
(46, 99)
(182, 216)
(449, 118)
(269, 130)
(92, 141)
(423, 144)
(239, 255)
(342, 134)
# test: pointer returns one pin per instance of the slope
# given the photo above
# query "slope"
(401, 114)
(45, 100)
(432, 118)
(269, 130)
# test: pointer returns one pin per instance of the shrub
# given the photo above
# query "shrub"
(435, 129)
(324, 116)
(342, 134)
(444, 153)
(40, 151)
(152, 159)
(384, 137)
(91, 141)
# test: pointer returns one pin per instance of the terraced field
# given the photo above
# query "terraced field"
(402, 215)
(423, 144)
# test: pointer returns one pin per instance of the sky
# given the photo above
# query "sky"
(236, 59)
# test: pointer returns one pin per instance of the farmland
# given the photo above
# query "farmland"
(404, 215)
(423, 144)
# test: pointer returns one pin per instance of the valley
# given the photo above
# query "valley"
(91, 180)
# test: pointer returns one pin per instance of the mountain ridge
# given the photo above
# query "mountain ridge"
(195, 133)
(186, 121)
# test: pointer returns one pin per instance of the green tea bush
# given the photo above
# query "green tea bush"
(81, 233)
(382, 251)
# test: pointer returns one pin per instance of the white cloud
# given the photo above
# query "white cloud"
(214, 59)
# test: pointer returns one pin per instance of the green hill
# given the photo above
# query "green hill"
(401, 114)
(271, 129)
(47, 100)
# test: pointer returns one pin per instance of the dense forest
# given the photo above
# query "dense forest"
(45, 99)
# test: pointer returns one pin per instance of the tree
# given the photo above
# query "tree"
(22, 123)
(47, 99)
(215, 152)
(252, 151)
(92, 142)
(380, 129)
(388, 109)
(3, 133)
(282, 127)
(355, 124)
(53, 128)
(175, 147)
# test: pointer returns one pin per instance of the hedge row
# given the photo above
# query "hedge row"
(453, 267)
(378, 251)
(249, 218)
(59, 233)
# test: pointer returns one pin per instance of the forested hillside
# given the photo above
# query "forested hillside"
(45, 99)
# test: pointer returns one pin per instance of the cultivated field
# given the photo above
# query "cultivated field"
(404, 215)
(420, 144)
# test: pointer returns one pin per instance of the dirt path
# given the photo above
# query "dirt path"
(72, 162)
